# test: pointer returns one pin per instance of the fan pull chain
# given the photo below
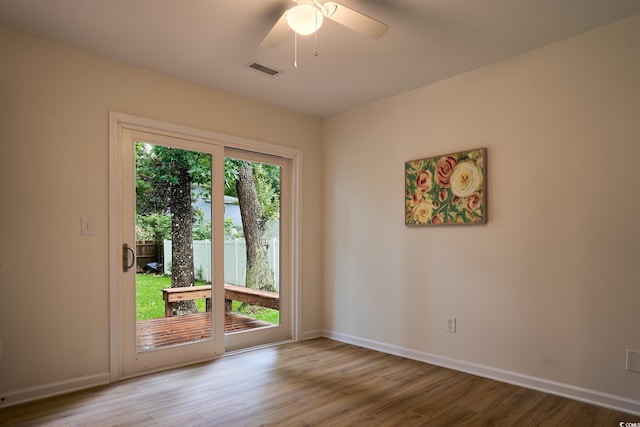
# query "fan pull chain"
(295, 44)
(315, 35)
(295, 50)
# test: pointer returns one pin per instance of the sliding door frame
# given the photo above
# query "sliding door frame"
(119, 120)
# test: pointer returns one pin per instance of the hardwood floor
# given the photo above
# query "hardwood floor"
(317, 382)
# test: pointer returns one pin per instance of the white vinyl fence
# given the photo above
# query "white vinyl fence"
(235, 260)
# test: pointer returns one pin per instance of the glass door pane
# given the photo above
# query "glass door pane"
(252, 245)
(173, 245)
(257, 276)
(170, 305)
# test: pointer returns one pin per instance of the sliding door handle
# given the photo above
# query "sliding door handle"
(126, 250)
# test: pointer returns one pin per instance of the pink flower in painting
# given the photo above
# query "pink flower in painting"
(423, 180)
(417, 196)
(442, 195)
(443, 170)
(473, 201)
(437, 219)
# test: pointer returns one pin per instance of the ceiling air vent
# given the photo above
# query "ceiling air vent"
(264, 69)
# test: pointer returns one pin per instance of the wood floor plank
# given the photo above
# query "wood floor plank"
(318, 382)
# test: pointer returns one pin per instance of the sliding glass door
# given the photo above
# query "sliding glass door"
(257, 224)
(202, 247)
(171, 291)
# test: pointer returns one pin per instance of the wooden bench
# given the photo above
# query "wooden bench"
(231, 293)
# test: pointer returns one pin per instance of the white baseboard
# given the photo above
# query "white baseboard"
(52, 389)
(581, 394)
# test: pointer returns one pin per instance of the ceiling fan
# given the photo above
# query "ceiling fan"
(307, 16)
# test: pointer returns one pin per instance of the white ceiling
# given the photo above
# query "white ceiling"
(211, 41)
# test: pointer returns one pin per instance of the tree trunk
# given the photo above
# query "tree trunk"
(259, 274)
(181, 237)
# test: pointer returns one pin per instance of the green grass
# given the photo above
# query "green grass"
(149, 303)
(257, 312)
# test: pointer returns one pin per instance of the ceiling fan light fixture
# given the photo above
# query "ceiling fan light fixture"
(304, 19)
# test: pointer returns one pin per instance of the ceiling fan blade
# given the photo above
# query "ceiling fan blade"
(355, 20)
(277, 33)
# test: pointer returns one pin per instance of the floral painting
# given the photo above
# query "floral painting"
(447, 189)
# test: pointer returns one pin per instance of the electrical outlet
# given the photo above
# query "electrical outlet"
(451, 324)
(633, 361)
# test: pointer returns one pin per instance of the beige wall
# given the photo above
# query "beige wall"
(54, 105)
(549, 288)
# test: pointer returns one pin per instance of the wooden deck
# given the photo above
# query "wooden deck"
(187, 328)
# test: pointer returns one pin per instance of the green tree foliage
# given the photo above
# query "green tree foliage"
(155, 226)
(165, 173)
(267, 179)
(257, 187)
(168, 174)
(158, 227)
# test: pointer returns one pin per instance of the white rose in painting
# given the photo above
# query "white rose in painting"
(422, 211)
(466, 179)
